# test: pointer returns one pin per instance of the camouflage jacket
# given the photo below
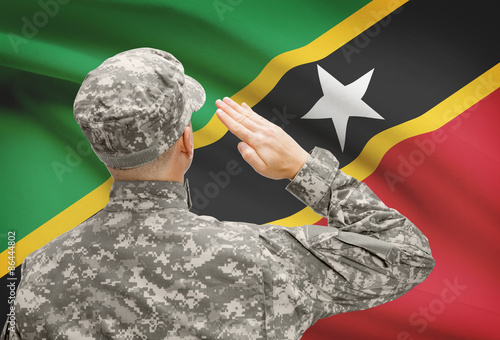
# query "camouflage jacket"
(146, 268)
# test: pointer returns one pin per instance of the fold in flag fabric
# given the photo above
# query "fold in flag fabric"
(405, 94)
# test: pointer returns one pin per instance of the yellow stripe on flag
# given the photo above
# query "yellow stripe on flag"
(59, 224)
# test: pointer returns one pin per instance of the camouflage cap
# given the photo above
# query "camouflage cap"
(136, 105)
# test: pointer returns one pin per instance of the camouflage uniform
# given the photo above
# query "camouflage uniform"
(145, 267)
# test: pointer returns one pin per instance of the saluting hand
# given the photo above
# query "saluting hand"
(265, 146)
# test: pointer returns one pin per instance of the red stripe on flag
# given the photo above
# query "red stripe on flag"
(447, 183)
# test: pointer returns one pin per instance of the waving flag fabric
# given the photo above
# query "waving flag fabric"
(405, 94)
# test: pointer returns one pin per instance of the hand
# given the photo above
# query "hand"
(265, 146)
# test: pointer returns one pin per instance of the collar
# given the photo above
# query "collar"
(148, 195)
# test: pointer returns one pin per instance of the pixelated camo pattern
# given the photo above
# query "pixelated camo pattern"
(147, 268)
(135, 105)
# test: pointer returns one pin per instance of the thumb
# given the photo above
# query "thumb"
(251, 157)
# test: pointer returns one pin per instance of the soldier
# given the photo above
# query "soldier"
(146, 267)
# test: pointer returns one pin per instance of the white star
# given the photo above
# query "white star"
(341, 102)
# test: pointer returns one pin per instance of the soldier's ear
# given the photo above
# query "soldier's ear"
(187, 145)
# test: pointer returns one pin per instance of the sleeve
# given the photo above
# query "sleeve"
(368, 255)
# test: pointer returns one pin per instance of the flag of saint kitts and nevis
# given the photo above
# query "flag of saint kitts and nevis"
(406, 94)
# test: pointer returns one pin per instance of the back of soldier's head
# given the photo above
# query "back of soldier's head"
(135, 106)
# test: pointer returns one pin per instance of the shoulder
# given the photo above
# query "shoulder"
(70, 244)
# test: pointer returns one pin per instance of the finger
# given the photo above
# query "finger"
(255, 116)
(236, 128)
(242, 118)
(244, 110)
(251, 157)
(237, 112)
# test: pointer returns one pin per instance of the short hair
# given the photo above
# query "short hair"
(146, 171)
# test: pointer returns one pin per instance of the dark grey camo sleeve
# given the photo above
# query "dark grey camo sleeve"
(368, 255)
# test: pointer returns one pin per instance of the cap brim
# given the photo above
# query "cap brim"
(194, 94)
